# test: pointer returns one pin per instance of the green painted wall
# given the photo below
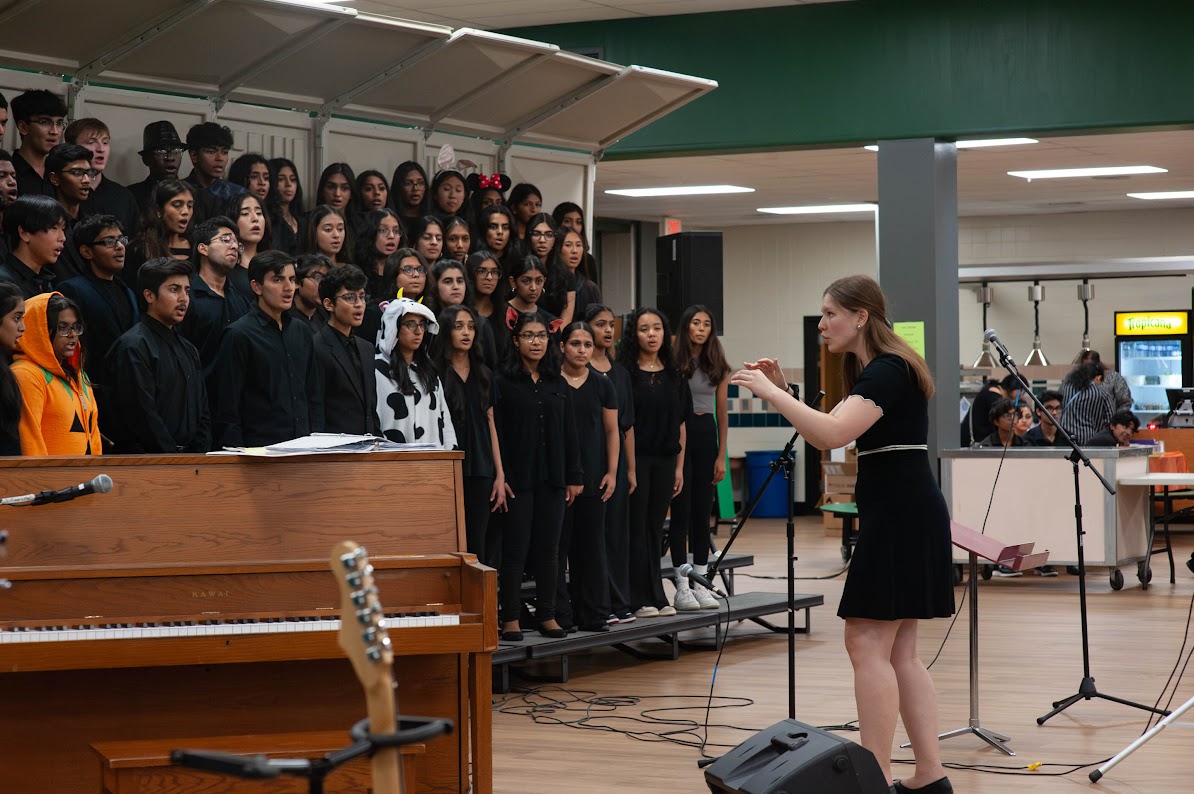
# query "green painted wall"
(871, 69)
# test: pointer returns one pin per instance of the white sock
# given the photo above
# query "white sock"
(681, 583)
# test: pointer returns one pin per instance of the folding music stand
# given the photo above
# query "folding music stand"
(1018, 557)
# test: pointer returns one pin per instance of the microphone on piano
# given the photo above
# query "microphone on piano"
(101, 483)
(687, 570)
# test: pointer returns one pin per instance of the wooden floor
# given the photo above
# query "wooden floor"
(1030, 655)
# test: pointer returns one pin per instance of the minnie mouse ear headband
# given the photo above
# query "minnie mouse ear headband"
(395, 309)
(499, 182)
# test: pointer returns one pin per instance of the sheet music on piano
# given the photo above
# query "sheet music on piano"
(326, 443)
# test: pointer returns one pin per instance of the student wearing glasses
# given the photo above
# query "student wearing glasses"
(1044, 432)
(40, 118)
(380, 236)
(559, 292)
(107, 306)
(345, 360)
(68, 168)
(485, 273)
(215, 304)
(309, 271)
(266, 380)
(411, 406)
(1003, 416)
(161, 151)
(59, 415)
(158, 399)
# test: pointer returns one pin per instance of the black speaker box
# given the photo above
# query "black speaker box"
(688, 272)
(793, 758)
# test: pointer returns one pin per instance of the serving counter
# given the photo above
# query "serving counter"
(1033, 500)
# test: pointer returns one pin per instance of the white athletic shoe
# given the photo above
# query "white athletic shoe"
(686, 600)
(667, 612)
(705, 598)
(647, 612)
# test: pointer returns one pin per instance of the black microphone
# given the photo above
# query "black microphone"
(101, 483)
(989, 336)
(686, 570)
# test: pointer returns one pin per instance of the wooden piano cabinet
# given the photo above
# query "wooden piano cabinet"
(191, 539)
(144, 767)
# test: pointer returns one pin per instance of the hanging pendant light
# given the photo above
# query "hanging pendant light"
(985, 295)
(1036, 294)
(1086, 295)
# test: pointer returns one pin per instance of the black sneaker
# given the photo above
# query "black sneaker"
(1045, 570)
(1006, 572)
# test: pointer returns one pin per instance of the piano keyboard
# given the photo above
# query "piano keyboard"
(137, 631)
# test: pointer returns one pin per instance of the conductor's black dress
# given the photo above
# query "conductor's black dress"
(901, 567)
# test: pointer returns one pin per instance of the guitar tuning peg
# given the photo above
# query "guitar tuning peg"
(356, 578)
(351, 560)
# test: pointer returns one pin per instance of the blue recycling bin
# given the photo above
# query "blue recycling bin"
(773, 504)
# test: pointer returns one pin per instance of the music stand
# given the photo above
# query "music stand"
(1019, 558)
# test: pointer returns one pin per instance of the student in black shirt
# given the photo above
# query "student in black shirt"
(537, 430)
(8, 177)
(468, 389)
(69, 171)
(107, 305)
(208, 145)
(308, 308)
(617, 509)
(448, 286)
(267, 381)
(661, 401)
(40, 117)
(1044, 432)
(285, 205)
(214, 303)
(527, 279)
(107, 197)
(380, 237)
(346, 361)
(161, 151)
(253, 231)
(12, 328)
(1003, 416)
(1118, 432)
(166, 227)
(158, 399)
(36, 230)
(583, 601)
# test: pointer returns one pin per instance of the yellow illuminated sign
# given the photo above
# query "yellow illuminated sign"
(1150, 323)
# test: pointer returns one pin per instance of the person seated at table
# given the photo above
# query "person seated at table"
(1118, 432)
(1003, 416)
(976, 426)
(1044, 432)
(1023, 421)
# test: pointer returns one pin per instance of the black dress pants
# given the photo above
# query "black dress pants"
(532, 525)
(583, 599)
(648, 509)
(689, 528)
(617, 540)
(476, 515)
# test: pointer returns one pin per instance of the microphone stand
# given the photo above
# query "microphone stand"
(1087, 689)
(786, 461)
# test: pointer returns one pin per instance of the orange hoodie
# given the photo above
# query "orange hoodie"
(60, 415)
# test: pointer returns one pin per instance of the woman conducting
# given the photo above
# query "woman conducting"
(901, 572)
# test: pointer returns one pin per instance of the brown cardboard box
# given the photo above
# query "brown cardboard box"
(833, 523)
(838, 477)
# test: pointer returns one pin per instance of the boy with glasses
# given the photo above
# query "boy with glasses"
(108, 306)
(41, 118)
(36, 230)
(215, 304)
(266, 380)
(310, 269)
(346, 361)
(159, 402)
(161, 151)
(1044, 432)
(208, 145)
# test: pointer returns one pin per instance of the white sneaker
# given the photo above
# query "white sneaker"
(667, 612)
(705, 598)
(686, 600)
(648, 612)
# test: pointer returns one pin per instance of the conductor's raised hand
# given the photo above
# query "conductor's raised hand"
(770, 368)
(757, 382)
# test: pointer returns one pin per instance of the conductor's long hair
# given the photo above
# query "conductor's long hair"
(855, 293)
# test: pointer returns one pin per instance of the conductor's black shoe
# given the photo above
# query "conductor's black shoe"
(940, 786)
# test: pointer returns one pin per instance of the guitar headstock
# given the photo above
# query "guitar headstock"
(362, 636)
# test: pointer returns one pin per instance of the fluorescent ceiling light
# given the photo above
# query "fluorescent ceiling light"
(980, 144)
(1114, 170)
(689, 190)
(819, 209)
(1164, 194)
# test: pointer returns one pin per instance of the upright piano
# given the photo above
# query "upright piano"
(195, 600)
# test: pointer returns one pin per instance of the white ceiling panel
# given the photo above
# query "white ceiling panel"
(848, 176)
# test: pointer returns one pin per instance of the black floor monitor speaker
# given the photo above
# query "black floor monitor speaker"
(688, 272)
(793, 758)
